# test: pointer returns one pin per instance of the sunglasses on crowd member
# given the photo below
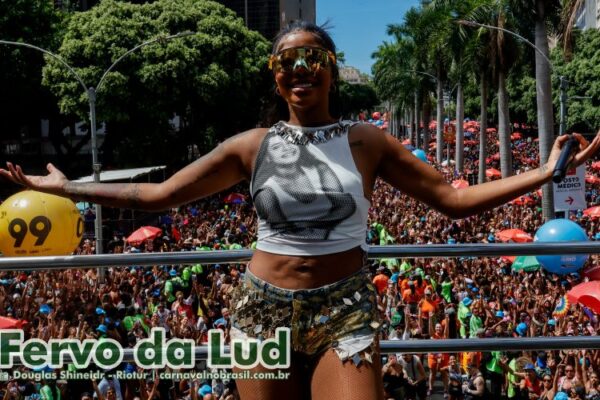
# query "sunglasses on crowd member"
(311, 58)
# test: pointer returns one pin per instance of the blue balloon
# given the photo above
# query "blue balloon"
(561, 230)
(420, 154)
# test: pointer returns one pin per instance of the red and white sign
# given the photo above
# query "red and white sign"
(570, 193)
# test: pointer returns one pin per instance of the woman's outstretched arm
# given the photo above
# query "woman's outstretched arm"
(419, 180)
(223, 167)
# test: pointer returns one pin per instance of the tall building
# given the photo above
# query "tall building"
(588, 16)
(269, 16)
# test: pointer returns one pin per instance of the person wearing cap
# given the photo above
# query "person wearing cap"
(521, 329)
(541, 364)
(531, 386)
(204, 390)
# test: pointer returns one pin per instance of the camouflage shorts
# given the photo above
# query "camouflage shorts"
(342, 315)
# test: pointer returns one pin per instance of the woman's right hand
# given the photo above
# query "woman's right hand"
(53, 183)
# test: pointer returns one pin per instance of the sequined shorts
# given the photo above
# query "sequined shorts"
(342, 315)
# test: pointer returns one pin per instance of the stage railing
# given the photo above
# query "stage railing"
(234, 256)
(374, 252)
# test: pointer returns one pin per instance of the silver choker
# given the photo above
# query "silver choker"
(315, 135)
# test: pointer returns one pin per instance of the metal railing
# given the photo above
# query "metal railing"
(374, 252)
(234, 256)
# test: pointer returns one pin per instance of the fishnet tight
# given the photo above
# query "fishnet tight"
(331, 380)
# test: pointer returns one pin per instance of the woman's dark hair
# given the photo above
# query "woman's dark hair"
(278, 109)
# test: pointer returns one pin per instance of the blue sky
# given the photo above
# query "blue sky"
(359, 25)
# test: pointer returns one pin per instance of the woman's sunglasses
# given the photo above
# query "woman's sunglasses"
(311, 58)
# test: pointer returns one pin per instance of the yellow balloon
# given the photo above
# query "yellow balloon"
(39, 224)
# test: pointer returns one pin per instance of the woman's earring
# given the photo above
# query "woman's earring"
(277, 92)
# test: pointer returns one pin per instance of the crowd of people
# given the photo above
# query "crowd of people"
(425, 298)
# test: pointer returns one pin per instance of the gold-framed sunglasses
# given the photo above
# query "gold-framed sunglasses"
(311, 58)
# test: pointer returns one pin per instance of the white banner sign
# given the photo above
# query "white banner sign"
(570, 193)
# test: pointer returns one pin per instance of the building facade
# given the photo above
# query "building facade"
(588, 16)
(353, 75)
(269, 16)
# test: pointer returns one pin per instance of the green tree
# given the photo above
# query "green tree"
(213, 81)
(357, 97)
(24, 102)
(583, 75)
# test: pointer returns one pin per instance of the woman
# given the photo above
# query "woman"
(311, 248)
(455, 378)
(394, 378)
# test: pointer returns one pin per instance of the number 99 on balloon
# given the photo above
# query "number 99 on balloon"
(39, 224)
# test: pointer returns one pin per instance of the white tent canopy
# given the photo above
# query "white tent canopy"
(121, 174)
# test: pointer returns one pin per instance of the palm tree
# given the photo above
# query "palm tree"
(430, 25)
(477, 56)
(503, 54)
(389, 76)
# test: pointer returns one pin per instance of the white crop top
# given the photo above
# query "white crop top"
(308, 192)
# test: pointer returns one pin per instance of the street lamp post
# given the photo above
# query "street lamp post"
(91, 96)
(425, 126)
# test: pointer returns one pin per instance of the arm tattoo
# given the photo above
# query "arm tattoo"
(114, 195)
(132, 194)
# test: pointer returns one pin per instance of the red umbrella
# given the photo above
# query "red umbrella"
(587, 294)
(235, 198)
(491, 130)
(592, 179)
(593, 212)
(516, 136)
(523, 201)
(492, 173)
(514, 235)
(460, 184)
(142, 234)
(11, 323)
(592, 272)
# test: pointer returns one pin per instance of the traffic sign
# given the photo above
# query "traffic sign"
(570, 193)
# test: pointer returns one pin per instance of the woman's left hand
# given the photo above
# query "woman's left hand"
(585, 150)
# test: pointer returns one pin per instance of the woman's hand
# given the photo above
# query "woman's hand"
(585, 150)
(53, 183)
